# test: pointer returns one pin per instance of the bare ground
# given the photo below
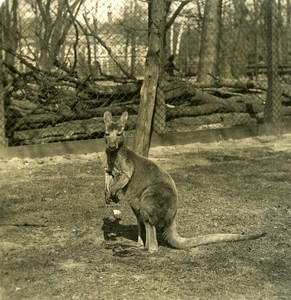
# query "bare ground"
(60, 241)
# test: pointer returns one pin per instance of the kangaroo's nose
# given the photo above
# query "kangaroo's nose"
(112, 146)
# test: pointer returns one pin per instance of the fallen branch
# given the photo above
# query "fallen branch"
(24, 225)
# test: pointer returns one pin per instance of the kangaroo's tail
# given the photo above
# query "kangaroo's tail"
(172, 236)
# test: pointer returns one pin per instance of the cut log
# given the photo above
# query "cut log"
(211, 94)
(113, 89)
(175, 89)
(35, 121)
(207, 109)
(71, 130)
(63, 115)
(286, 110)
(23, 105)
(219, 120)
(286, 90)
(249, 98)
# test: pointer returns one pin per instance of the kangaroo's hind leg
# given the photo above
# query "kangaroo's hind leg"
(141, 233)
(151, 238)
(157, 207)
(140, 227)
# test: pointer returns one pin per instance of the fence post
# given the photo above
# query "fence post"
(272, 109)
(143, 131)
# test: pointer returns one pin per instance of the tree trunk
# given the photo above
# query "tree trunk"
(2, 111)
(133, 39)
(288, 30)
(151, 79)
(9, 26)
(209, 47)
(272, 110)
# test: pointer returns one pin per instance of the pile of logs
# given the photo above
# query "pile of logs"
(71, 115)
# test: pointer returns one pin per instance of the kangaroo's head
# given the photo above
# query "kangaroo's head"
(114, 136)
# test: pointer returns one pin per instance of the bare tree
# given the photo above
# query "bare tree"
(170, 20)
(9, 30)
(132, 25)
(283, 31)
(210, 37)
(53, 25)
(273, 102)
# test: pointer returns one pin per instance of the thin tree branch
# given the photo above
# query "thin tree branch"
(100, 40)
(107, 48)
(176, 14)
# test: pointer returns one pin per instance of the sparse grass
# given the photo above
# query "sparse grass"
(59, 239)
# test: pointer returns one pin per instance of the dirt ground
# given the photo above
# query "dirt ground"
(60, 241)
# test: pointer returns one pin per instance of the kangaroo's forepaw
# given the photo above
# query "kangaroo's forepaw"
(108, 199)
(111, 197)
(114, 198)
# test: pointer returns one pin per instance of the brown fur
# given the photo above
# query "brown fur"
(150, 191)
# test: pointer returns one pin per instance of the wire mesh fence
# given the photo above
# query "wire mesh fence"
(64, 63)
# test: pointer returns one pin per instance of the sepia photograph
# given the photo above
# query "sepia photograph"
(145, 149)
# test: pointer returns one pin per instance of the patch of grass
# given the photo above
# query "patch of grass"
(59, 240)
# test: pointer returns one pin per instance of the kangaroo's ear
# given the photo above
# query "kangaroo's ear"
(107, 117)
(123, 118)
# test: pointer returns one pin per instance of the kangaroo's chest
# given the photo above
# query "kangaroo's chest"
(114, 165)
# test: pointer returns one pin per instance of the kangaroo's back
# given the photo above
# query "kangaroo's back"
(146, 172)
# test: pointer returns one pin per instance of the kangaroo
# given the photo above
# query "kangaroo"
(150, 191)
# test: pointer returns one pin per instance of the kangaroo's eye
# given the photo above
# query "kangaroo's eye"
(106, 133)
(119, 133)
